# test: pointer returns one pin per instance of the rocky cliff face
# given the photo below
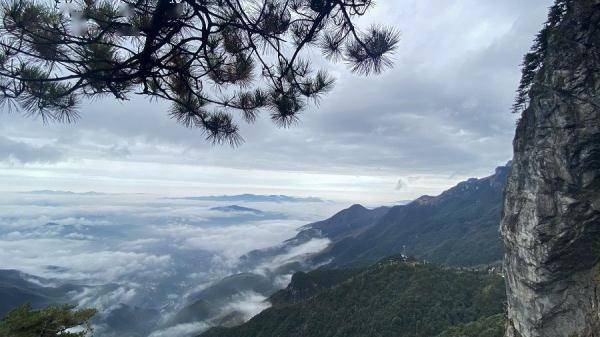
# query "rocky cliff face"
(551, 217)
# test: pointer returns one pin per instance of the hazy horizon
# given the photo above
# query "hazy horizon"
(440, 116)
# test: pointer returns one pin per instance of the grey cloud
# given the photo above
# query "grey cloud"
(181, 330)
(401, 184)
(117, 151)
(247, 303)
(25, 153)
(443, 109)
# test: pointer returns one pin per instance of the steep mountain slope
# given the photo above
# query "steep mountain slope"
(208, 303)
(551, 221)
(458, 227)
(346, 223)
(130, 321)
(390, 298)
(305, 285)
(17, 288)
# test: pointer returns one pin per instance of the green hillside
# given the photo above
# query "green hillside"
(390, 298)
(457, 228)
(492, 326)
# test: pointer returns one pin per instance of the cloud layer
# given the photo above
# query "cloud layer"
(441, 115)
(21, 152)
(146, 251)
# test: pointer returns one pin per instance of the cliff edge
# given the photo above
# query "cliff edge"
(551, 216)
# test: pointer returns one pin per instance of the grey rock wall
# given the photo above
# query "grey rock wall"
(551, 216)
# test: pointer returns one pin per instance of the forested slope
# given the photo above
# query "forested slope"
(458, 227)
(390, 298)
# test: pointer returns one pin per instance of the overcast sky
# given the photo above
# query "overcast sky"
(440, 116)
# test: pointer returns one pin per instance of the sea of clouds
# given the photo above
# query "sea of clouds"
(148, 251)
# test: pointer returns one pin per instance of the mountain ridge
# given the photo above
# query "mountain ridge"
(236, 208)
(247, 197)
(430, 227)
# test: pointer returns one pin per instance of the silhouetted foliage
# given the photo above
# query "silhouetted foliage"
(210, 58)
(52, 321)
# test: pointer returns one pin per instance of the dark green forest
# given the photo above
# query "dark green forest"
(393, 297)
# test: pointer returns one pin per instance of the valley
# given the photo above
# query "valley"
(457, 229)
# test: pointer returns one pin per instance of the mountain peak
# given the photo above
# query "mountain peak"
(424, 199)
(357, 207)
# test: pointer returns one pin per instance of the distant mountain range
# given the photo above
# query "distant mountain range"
(252, 198)
(236, 208)
(394, 297)
(53, 192)
(459, 227)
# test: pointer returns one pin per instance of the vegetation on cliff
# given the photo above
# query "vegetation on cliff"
(53, 321)
(393, 297)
